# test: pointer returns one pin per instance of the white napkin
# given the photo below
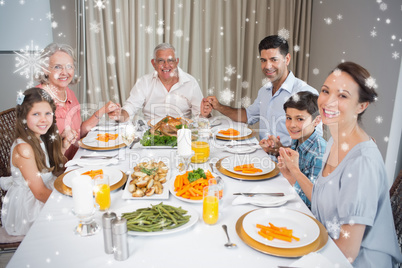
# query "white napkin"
(315, 260)
(263, 200)
(91, 162)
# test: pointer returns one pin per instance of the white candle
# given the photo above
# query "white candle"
(82, 195)
(184, 141)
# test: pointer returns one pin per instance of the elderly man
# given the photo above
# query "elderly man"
(268, 107)
(167, 91)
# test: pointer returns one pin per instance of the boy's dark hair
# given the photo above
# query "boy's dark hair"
(303, 100)
(274, 41)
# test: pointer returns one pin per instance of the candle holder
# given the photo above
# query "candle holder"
(87, 226)
(185, 160)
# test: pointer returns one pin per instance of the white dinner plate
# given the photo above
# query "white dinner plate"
(303, 226)
(156, 147)
(263, 163)
(241, 149)
(134, 207)
(243, 132)
(90, 140)
(164, 195)
(114, 174)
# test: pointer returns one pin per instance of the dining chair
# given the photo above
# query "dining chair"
(396, 204)
(8, 243)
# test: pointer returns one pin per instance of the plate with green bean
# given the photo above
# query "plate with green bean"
(152, 219)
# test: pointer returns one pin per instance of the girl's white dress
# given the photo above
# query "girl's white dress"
(20, 207)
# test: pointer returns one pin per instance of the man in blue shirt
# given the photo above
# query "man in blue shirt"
(267, 108)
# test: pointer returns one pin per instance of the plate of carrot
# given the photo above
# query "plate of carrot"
(248, 165)
(281, 227)
(189, 190)
(102, 139)
(114, 174)
(230, 132)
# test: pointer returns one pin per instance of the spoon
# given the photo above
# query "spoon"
(137, 139)
(228, 244)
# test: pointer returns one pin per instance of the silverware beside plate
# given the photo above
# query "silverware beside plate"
(241, 144)
(98, 156)
(253, 194)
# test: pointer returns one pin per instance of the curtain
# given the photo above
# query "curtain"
(215, 40)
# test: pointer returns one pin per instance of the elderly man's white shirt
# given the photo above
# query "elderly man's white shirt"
(150, 95)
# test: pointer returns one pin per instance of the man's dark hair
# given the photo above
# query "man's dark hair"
(303, 100)
(274, 41)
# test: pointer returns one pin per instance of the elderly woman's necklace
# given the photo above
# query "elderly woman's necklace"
(49, 89)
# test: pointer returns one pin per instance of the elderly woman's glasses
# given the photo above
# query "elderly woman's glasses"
(162, 61)
(59, 67)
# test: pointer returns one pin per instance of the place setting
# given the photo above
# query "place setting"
(232, 132)
(281, 232)
(262, 197)
(247, 167)
(63, 183)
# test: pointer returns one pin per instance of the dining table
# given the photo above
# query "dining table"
(51, 241)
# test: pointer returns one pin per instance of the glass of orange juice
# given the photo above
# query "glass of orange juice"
(200, 146)
(102, 191)
(210, 208)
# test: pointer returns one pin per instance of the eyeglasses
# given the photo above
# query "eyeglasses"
(58, 67)
(169, 61)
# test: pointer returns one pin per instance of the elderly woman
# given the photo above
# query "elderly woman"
(351, 194)
(58, 76)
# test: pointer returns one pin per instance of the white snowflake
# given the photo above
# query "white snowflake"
(31, 63)
(160, 31)
(339, 17)
(296, 48)
(148, 29)
(22, 2)
(52, 137)
(210, 91)
(54, 24)
(244, 84)
(334, 227)
(127, 54)
(227, 96)
(265, 81)
(370, 82)
(388, 21)
(2, 3)
(247, 19)
(379, 119)
(345, 234)
(345, 146)
(100, 4)
(230, 70)
(49, 16)
(328, 21)
(49, 217)
(180, 5)
(386, 138)
(226, 79)
(395, 55)
(373, 33)
(316, 71)
(295, 97)
(337, 72)
(238, 76)
(383, 6)
(284, 33)
(111, 59)
(245, 101)
(207, 50)
(178, 33)
(161, 22)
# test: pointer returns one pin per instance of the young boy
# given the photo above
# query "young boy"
(307, 145)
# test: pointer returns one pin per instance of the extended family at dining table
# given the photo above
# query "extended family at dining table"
(343, 181)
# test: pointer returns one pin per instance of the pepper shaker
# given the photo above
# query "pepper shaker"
(107, 219)
(120, 242)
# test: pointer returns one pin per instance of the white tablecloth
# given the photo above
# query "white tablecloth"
(52, 243)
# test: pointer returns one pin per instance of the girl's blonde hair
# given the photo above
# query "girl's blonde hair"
(51, 139)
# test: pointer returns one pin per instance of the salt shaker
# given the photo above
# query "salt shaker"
(107, 219)
(120, 242)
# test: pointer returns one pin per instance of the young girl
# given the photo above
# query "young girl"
(36, 157)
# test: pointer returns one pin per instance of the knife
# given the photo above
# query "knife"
(253, 194)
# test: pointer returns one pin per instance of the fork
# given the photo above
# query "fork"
(98, 156)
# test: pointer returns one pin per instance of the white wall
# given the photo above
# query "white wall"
(368, 33)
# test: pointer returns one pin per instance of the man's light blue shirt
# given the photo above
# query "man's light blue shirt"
(268, 109)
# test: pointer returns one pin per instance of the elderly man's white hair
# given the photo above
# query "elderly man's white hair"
(163, 46)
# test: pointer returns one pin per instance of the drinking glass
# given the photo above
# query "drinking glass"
(210, 208)
(102, 191)
(200, 146)
(218, 182)
(128, 134)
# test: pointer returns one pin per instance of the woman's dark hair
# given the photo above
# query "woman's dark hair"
(274, 41)
(51, 139)
(361, 76)
(303, 100)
